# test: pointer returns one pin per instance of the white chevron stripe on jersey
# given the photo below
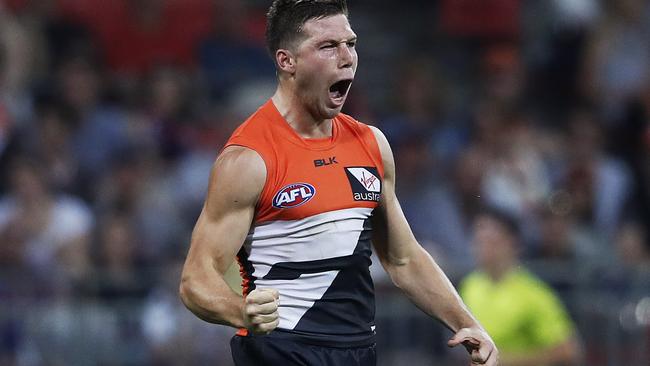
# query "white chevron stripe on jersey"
(328, 235)
(299, 295)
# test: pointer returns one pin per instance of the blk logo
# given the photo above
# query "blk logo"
(293, 195)
(365, 183)
(327, 161)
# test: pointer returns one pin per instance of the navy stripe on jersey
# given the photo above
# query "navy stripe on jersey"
(320, 266)
(293, 270)
(346, 311)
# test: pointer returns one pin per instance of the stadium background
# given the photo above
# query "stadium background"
(111, 113)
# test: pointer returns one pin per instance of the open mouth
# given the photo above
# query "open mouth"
(339, 89)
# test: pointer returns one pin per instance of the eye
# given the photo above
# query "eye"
(328, 46)
(352, 44)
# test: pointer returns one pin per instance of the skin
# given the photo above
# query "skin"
(325, 54)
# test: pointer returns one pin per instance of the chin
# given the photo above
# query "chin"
(331, 112)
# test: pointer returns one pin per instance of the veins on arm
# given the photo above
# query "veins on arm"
(236, 180)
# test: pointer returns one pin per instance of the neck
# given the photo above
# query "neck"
(499, 270)
(299, 116)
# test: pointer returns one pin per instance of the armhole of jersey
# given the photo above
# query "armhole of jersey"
(266, 190)
(373, 145)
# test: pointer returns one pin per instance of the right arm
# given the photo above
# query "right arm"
(236, 182)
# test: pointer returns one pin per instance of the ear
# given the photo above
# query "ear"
(286, 61)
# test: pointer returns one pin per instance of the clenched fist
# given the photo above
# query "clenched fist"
(261, 310)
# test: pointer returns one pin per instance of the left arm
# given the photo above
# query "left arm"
(415, 272)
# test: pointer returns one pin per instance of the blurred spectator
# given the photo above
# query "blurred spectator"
(174, 336)
(119, 274)
(616, 62)
(136, 36)
(525, 318)
(481, 18)
(561, 240)
(631, 246)
(166, 116)
(516, 177)
(235, 34)
(420, 110)
(43, 233)
(99, 128)
(632, 143)
(599, 185)
(503, 74)
(440, 213)
(53, 145)
(426, 143)
(9, 340)
(136, 186)
(558, 33)
(20, 60)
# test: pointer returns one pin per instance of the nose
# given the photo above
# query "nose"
(346, 55)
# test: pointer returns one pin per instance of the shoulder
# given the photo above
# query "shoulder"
(533, 287)
(382, 141)
(370, 132)
(385, 150)
(472, 281)
(240, 161)
(239, 173)
(365, 128)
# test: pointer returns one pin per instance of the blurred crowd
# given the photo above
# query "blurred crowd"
(112, 112)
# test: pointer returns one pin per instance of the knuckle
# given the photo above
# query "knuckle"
(251, 310)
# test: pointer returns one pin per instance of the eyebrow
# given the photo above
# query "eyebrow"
(333, 41)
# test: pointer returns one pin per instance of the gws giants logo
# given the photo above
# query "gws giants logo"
(365, 183)
(293, 195)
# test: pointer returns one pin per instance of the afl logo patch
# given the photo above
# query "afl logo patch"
(294, 195)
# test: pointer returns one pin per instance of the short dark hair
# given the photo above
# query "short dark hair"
(285, 19)
(503, 217)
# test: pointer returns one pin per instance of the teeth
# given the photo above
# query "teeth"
(336, 94)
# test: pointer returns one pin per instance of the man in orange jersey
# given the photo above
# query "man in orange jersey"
(297, 194)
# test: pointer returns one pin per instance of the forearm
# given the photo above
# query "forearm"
(429, 289)
(210, 298)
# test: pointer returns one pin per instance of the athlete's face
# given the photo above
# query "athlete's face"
(326, 61)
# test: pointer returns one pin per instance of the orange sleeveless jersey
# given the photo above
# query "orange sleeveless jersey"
(310, 238)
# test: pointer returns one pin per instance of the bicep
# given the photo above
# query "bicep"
(236, 181)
